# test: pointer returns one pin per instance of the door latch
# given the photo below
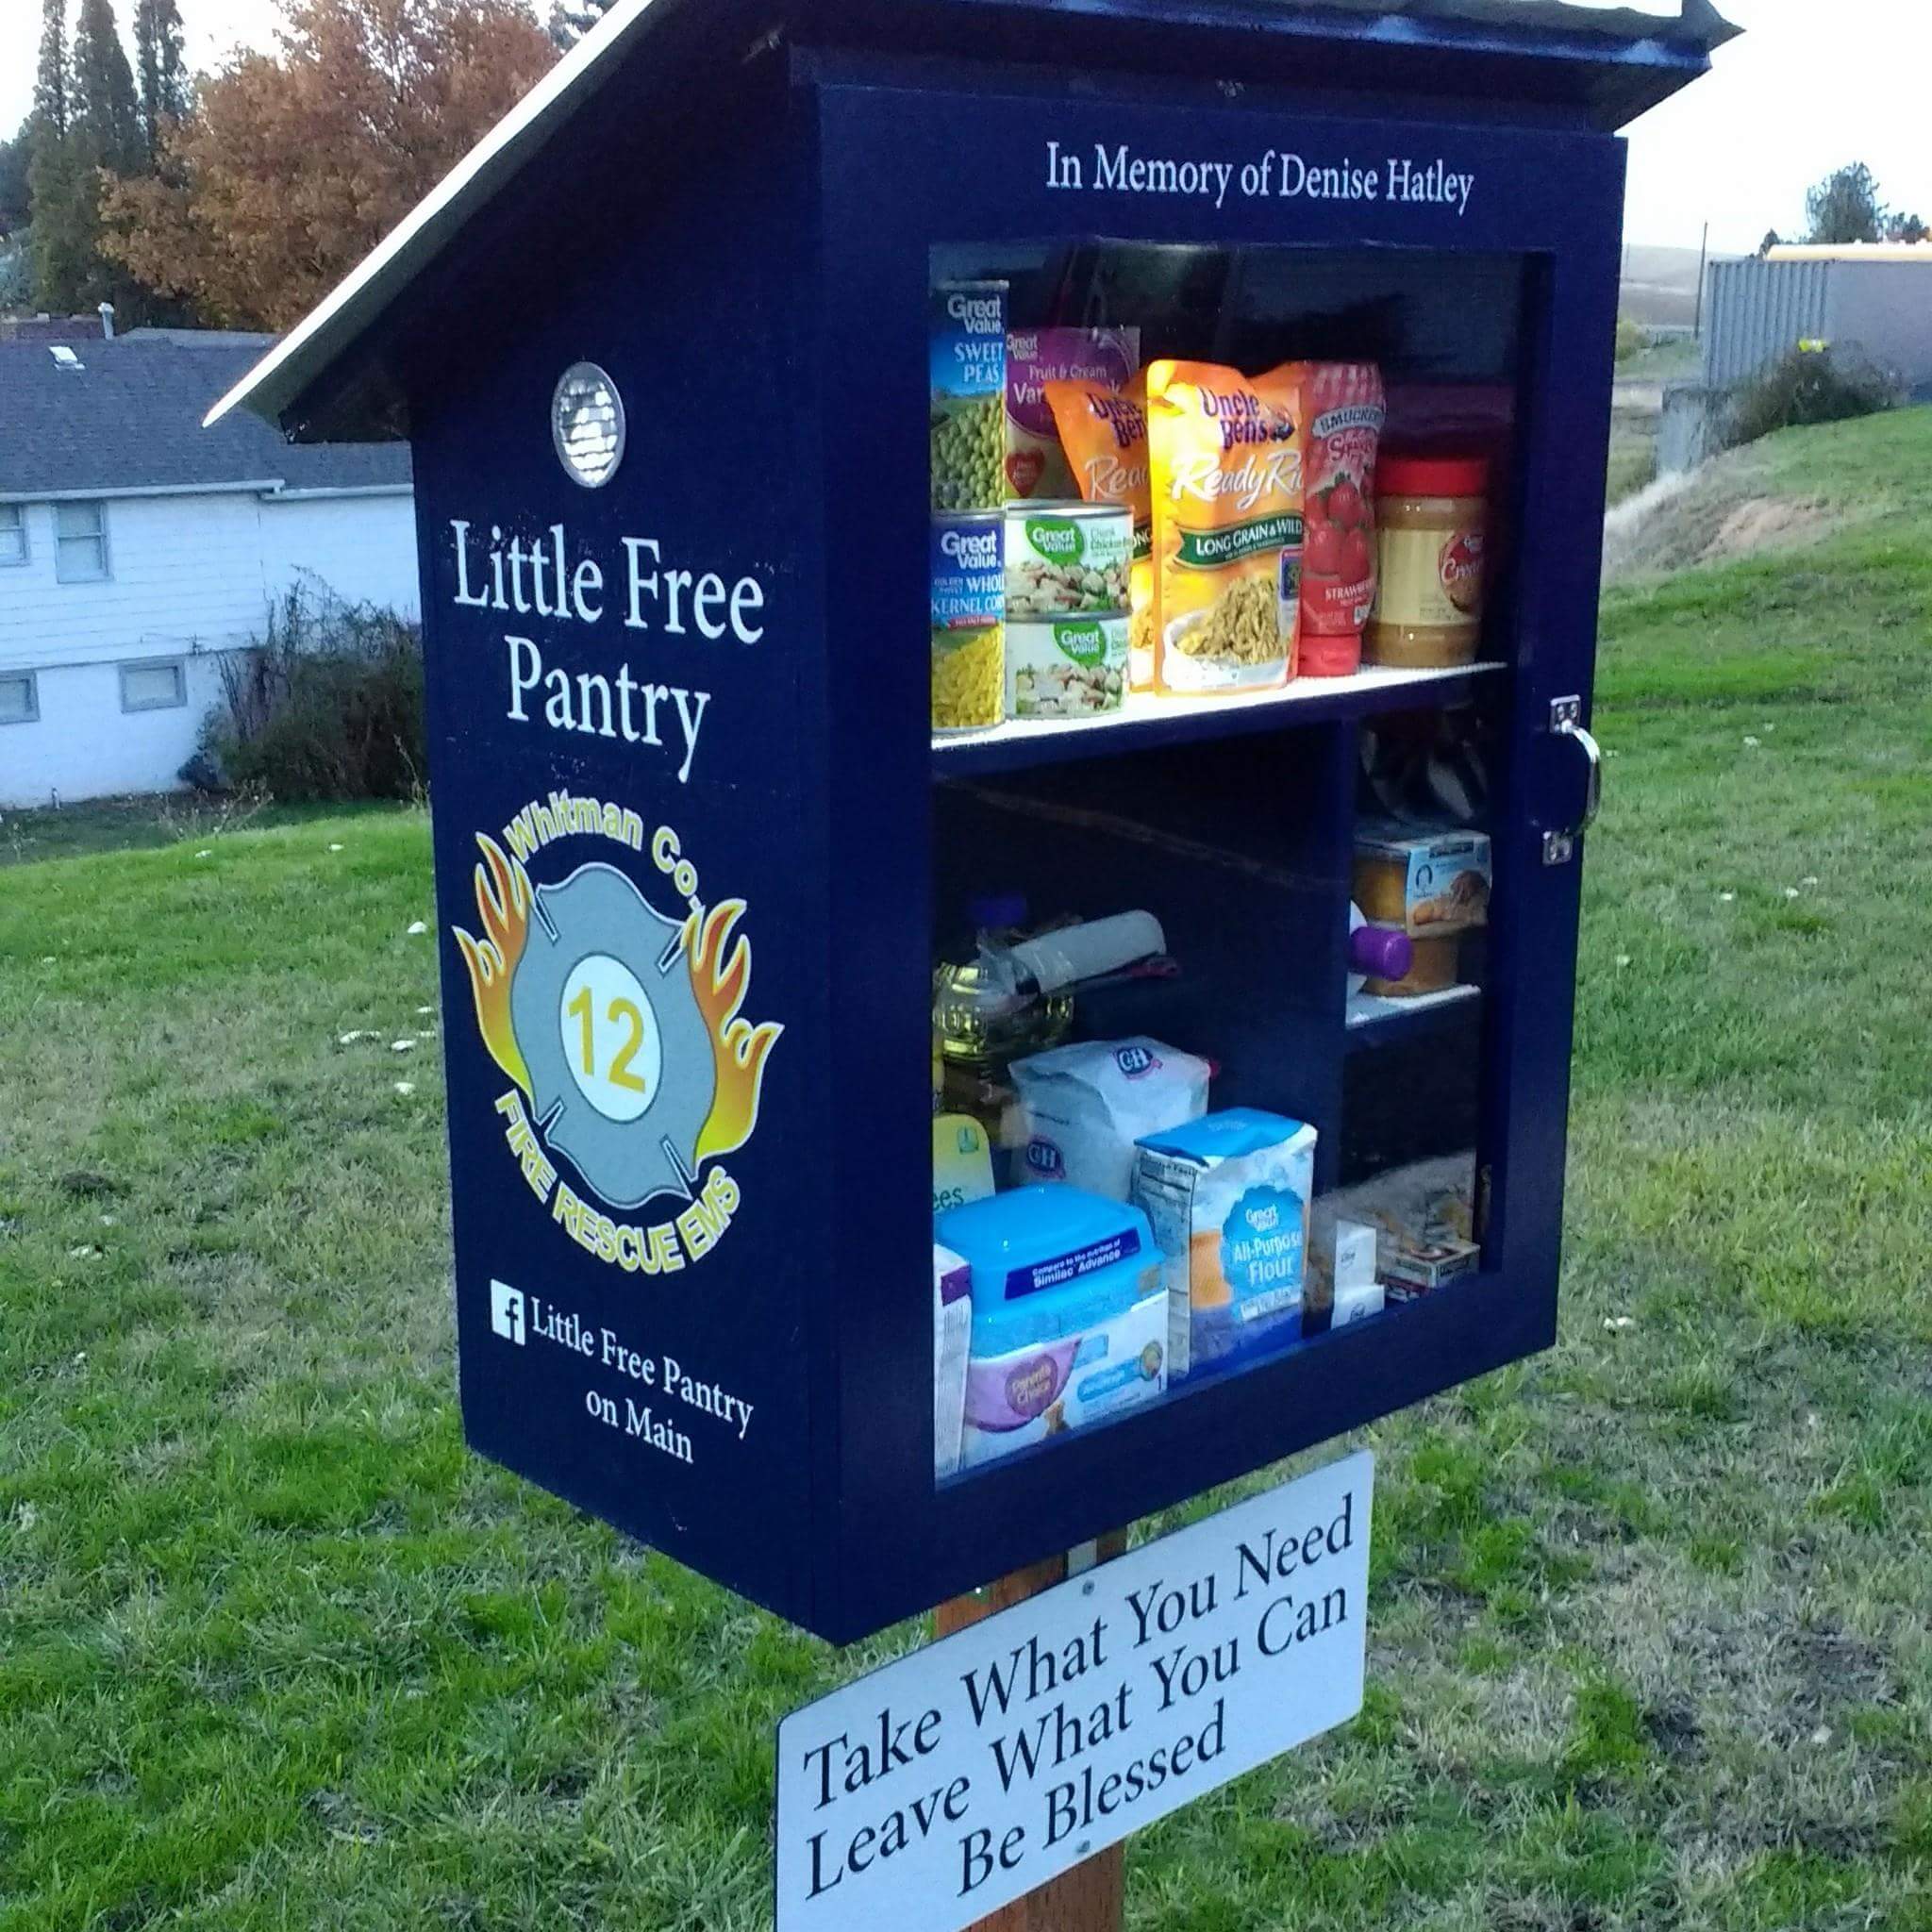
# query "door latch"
(1566, 720)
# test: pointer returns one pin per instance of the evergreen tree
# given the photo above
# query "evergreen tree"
(102, 109)
(66, 208)
(1845, 207)
(49, 173)
(16, 273)
(571, 20)
(15, 156)
(163, 72)
(97, 137)
(50, 80)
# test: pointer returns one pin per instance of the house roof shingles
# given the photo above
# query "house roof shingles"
(130, 420)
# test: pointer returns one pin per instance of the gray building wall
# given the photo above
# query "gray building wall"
(1760, 310)
(1884, 309)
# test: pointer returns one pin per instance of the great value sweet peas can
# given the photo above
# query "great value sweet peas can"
(968, 376)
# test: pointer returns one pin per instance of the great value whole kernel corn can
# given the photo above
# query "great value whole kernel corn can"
(968, 569)
(968, 678)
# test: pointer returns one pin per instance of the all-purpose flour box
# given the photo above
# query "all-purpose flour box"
(1228, 1198)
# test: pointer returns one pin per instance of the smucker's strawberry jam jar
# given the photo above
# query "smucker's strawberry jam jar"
(1431, 513)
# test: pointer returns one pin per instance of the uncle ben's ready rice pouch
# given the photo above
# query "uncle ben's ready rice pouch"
(1228, 458)
(1103, 431)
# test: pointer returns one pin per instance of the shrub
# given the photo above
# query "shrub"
(1809, 385)
(326, 704)
(1632, 339)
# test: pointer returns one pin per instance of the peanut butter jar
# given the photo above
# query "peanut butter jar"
(1431, 517)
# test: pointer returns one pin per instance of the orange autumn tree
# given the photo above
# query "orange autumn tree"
(292, 165)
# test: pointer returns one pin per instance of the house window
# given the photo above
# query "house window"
(12, 533)
(154, 686)
(80, 543)
(19, 697)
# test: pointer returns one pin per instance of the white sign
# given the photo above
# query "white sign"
(937, 1789)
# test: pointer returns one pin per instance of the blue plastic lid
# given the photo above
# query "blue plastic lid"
(1048, 1263)
(1224, 1136)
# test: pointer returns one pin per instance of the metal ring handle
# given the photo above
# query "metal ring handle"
(1594, 786)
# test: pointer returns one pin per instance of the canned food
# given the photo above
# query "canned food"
(1068, 560)
(1066, 667)
(968, 423)
(967, 678)
(969, 583)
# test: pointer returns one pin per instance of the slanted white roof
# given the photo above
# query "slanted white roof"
(417, 242)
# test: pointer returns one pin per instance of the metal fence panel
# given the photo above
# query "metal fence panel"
(1759, 310)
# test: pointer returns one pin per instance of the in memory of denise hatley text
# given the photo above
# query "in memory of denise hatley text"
(1114, 168)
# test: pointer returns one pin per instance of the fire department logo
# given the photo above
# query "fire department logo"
(620, 1026)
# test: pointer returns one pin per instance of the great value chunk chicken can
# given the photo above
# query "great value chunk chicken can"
(1066, 667)
(1068, 560)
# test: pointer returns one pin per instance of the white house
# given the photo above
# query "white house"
(136, 547)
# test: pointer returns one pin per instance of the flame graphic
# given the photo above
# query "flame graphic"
(502, 902)
(741, 1048)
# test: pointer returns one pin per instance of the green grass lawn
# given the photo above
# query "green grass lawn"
(1649, 1641)
(1665, 362)
(1633, 453)
(126, 825)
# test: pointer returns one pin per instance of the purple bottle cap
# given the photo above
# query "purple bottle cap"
(1384, 951)
(997, 911)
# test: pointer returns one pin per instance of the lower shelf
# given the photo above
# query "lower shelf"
(1373, 1021)
(908, 1540)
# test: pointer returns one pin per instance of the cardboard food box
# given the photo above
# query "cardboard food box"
(1428, 883)
(1413, 1267)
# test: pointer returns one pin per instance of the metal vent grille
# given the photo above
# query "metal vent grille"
(587, 424)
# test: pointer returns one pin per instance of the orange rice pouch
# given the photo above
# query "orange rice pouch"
(1228, 468)
(1104, 432)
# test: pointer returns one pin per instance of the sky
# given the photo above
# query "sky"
(1807, 88)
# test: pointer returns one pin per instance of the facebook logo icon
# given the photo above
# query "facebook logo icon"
(506, 1312)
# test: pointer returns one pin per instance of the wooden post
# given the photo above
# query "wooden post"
(1093, 1896)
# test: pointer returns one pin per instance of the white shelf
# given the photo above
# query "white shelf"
(1371, 1009)
(1146, 718)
